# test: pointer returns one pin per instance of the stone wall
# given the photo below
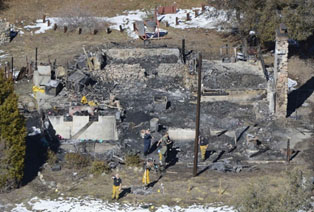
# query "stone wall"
(121, 72)
(137, 53)
(140, 64)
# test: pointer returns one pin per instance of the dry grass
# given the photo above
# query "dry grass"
(63, 46)
(301, 70)
(179, 186)
(33, 9)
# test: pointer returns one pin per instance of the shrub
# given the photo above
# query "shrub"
(75, 16)
(98, 167)
(291, 195)
(132, 160)
(51, 157)
(77, 160)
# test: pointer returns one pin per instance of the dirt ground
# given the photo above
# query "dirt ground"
(33, 9)
(63, 46)
(175, 187)
(179, 186)
(56, 45)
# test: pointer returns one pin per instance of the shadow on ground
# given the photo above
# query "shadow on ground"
(125, 192)
(35, 157)
(172, 157)
(36, 152)
(297, 97)
(154, 182)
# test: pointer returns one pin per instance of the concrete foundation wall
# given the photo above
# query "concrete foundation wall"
(39, 80)
(180, 134)
(103, 129)
(78, 123)
(42, 76)
(61, 127)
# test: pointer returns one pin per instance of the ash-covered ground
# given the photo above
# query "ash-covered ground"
(155, 83)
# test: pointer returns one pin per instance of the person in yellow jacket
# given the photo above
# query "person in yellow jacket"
(148, 166)
(117, 184)
(203, 146)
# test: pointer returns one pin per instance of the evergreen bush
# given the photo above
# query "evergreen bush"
(12, 137)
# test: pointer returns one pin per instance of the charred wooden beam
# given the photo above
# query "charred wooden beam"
(198, 110)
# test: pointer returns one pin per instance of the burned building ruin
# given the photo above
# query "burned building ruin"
(154, 88)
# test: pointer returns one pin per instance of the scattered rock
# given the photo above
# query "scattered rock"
(56, 167)
(52, 183)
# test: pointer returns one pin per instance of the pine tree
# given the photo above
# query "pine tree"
(264, 16)
(12, 136)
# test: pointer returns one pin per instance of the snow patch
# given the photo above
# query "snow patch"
(126, 21)
(96, 205)
(292, 84)
(3, 54)
(35, 131)
(43, 27)
(210, 19)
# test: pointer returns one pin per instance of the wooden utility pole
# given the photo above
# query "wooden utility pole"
(183, 51)
(36, 54)
(288, 151)
(198, 110)
(12, 68)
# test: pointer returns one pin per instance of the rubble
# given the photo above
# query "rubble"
(156, 91)
(141, 190)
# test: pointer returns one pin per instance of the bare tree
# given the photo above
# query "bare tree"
(75, 16)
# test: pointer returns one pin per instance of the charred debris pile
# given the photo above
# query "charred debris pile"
(111, 93)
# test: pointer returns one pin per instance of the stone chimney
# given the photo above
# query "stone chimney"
(281, 71)
(4, 32)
